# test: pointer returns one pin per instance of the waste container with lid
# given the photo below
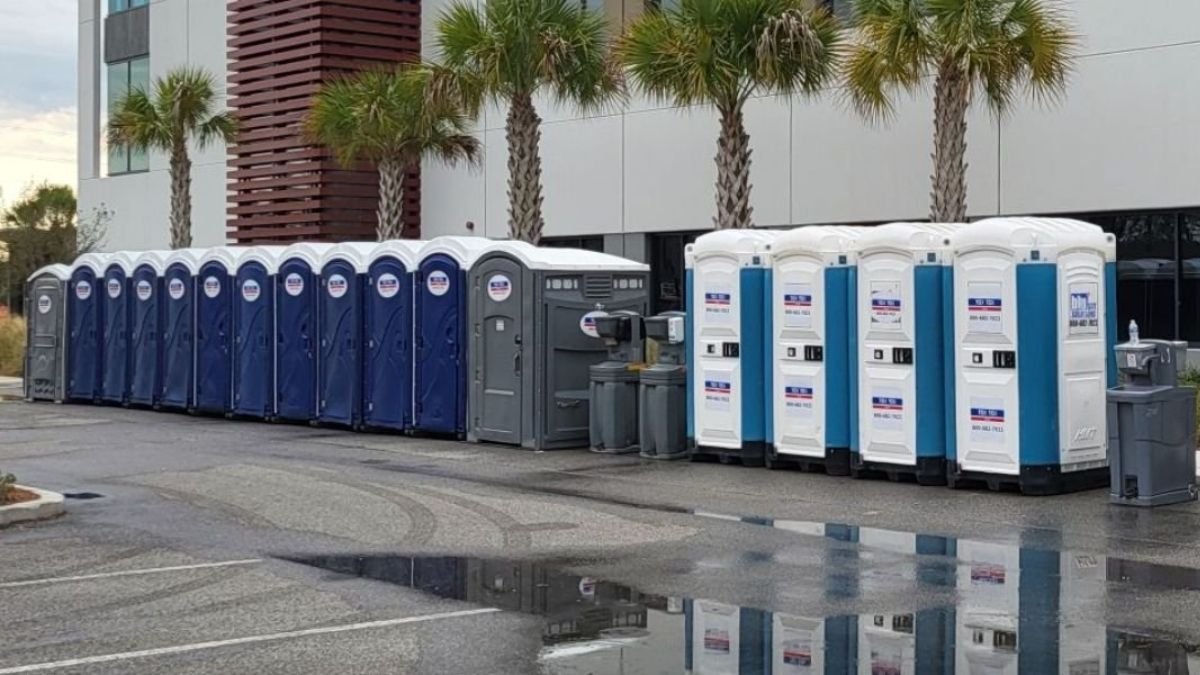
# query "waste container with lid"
(613, 418)
(662, 397)
(45, 356)
(1151, 427)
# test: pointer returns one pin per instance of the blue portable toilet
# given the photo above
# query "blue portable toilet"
(179, 329)
(440, 319)
(388, 334)
(214, 329)
(146, 319)
(339, 317)
(297, 287)
(115, 329)
(85, 318)
(254, 333)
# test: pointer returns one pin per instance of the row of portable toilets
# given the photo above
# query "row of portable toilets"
(977, 353)
(398, 335)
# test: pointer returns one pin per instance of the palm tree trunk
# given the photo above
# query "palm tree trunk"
(391, 200)
(524, 133)
(952, 96)
(733, 172)
(181, 197)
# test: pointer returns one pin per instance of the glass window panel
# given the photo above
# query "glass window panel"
(138, 3)
(139, 74)
(118, 5)
(118, 84)
(1189, 252)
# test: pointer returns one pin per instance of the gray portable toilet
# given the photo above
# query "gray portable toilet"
(46, 313)
(532, 342)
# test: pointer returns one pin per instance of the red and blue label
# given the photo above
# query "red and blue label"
(717, 387)
(987, 415)
(797, 301)
(887, 403)
(984, 304)
(798, 393)
(887, 305)
(719, 299)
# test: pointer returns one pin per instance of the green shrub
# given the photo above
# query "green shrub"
(7, 480)
(12, 346)
(1190, 377)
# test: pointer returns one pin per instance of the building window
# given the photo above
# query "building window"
(123, 77)
(122, 5)
(666, 270)
(592, 243)
(842, 9)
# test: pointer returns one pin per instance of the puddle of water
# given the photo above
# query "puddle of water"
(83, 495)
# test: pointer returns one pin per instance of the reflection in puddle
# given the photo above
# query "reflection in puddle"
(1018, 611)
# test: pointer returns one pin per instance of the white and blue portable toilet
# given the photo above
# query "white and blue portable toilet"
(215, 330)
(85, 317)
(387, 316)
(179, 329)
(46, 333)
(254, 333)
(339, 316)
(720, 638)
(726, 276)
(1034, 330)
(114, 341)
(440, 373)
(146, 320)
(297, 290)
(898, 408)
(808, 347)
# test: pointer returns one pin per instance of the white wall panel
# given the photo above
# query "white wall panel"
(209, 196)
(581, 176)
(669, 169)
(206, 42)
(1117, 25)
(458, 199)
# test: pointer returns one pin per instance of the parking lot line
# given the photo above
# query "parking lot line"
(126, 573)
(252, 639)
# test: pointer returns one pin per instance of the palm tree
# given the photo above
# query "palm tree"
(180, 108)
(507, 52)
(722, 52)
(385, 116)
(991, 46)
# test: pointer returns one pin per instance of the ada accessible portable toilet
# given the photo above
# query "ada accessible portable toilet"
(85, 319)
(46, 333)
(178, 301)
(1033, 336)
(339, 363)
(808, 348)
(726, 277)
(440, 373)
(898, 409)
(387, 316)
(532, 341)
(215, 329)
(115, 330)
(254, 333)
(146, 322)
(296, 294)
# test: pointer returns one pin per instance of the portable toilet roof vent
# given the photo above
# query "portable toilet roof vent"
(824, 241)
(917, 239)
(743, 244)
(464, 250)
(357, 253)
(1049, 237)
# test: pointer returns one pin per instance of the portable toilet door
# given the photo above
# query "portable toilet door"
(726, 290)
(46, 326)
(533, 341)
(115, 353)
(1034, 327)
(339, 365)
(387, 307)
(296, 295)
(85, 319)
(440, 374)
(722, 638)
(254, 333)
(179, 329)
(215, 330)
(146, 320)
(808, 347)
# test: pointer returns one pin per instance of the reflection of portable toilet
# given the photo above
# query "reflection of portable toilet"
(531, 346)
(726, 277)
(898, 411)
(339, 362)
(85, 319)
(808, 347)
(145, 337)
(297, 290)
(215, 330)
(387, 316)
(254, 333)
(1034, 328)
(179, 329)
(440, 372)
(46, 333)
(720, 638)
(114, 340)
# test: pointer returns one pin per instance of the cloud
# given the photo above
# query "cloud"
(38, 45)
(36, 147)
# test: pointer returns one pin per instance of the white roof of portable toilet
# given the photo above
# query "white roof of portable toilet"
(122, 259)
(228, 256)
(407, 251)
(357, 253)
(309, 252)
(157, 260)
(188, 257)
(267, 256)
(464, 250)
(58, 271)
(819, 240)
(96, 262)
(1051, 236)
(742, 244)
(565, 259)
(914, 239)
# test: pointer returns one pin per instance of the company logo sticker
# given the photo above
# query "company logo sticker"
(438, 283)
(987, 420)
(587, 323)
(175, 288)
(717, 394)
(44, 304)
(83, 290)
(499, 288)
(338, 286)
(114, 289)
(887, 412)
(293, 284)
(251, 290)
(388, 285)
(144, 290)
(212, 287)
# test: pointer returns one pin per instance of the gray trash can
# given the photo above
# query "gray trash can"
(613, 419)
(46, 338)
(662, 403)
(1151, 427)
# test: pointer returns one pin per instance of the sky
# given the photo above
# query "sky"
(38, 56)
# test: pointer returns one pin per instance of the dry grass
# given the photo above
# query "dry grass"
(12, 346)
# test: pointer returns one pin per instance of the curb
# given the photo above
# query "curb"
(47, 505)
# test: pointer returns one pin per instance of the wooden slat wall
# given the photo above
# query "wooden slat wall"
(283, 187)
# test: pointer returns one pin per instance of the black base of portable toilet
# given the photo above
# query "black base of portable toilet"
(836, 461)
(1035, 481)
(752, 453)
(927, 470)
